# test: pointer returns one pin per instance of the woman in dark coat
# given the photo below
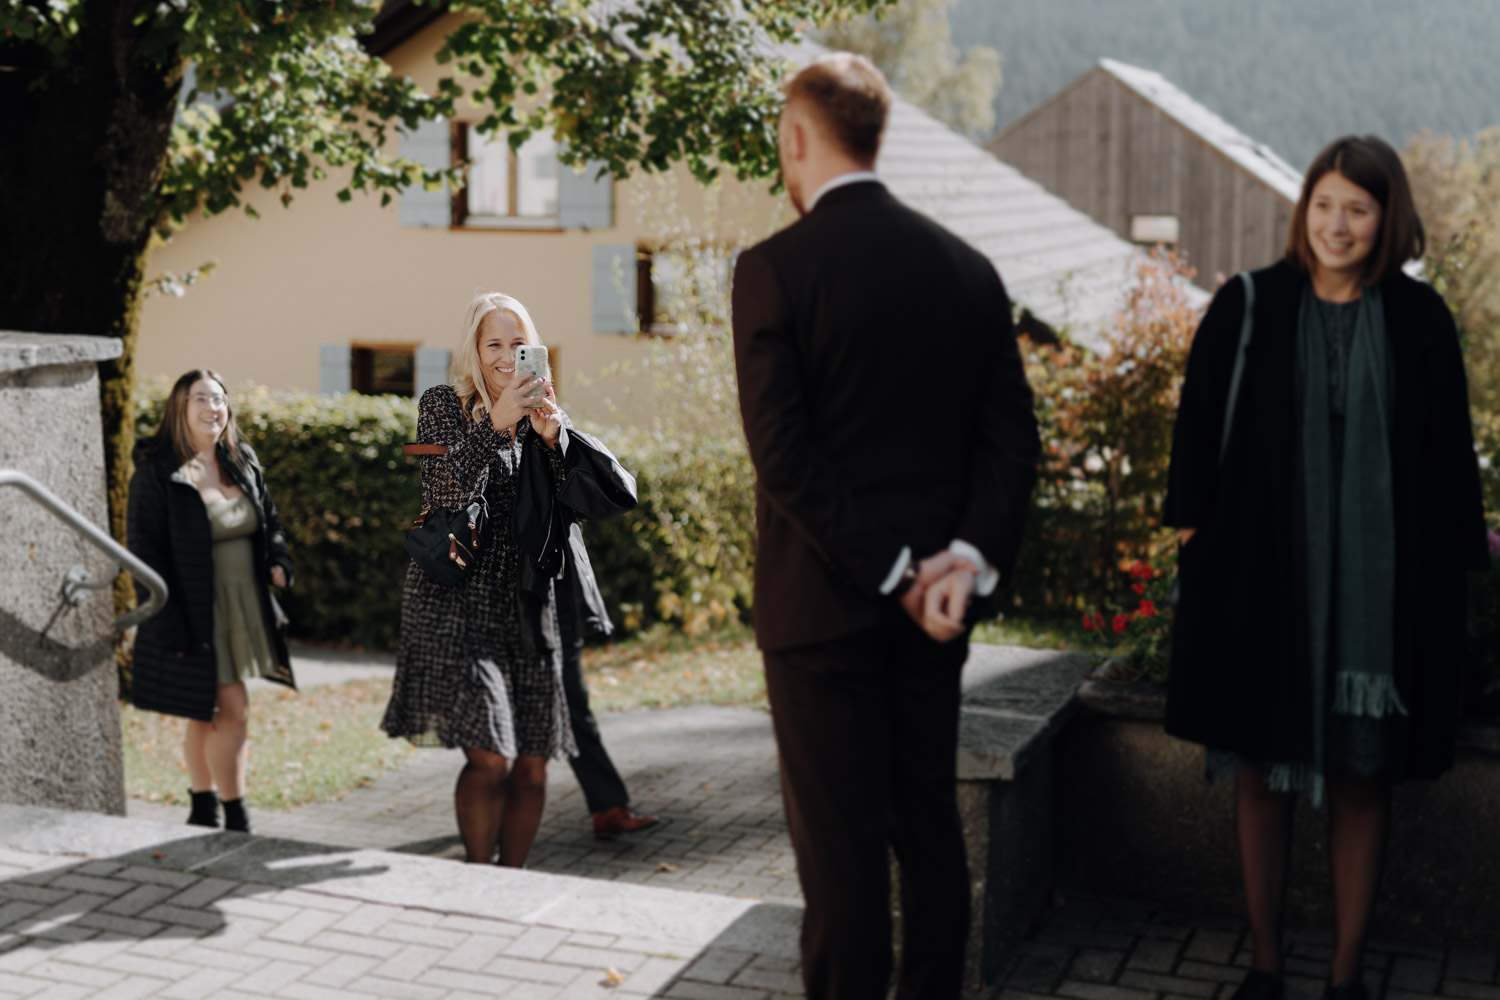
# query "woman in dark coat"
(1318, 640)
(200, 516)
(477, 667)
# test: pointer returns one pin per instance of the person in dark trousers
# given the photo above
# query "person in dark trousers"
(895, 448)
(1326, 531)
(581, 614)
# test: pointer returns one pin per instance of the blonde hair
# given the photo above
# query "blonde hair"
(466, 375)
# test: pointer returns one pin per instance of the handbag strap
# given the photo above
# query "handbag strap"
(1239, 362)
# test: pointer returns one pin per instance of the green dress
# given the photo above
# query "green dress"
(241, 644)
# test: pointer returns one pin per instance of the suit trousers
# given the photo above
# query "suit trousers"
(603, 788)
(867, 731)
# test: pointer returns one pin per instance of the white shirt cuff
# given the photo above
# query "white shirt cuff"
(988, 578)
(902, 561)
(562, 439)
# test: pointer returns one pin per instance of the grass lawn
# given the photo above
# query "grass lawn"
(319, 744)
(307, 746)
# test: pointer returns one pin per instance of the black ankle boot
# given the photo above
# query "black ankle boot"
(1259, 985)
(205, 811)
(1350, 989)
(235, 816)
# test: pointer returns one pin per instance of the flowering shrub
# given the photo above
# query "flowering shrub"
(1106, 423)
(1141, 638)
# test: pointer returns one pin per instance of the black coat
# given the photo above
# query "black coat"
(1239, 670)
(885, 406)
(546, 524)
(175, 668)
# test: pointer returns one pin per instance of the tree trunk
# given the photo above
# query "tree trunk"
(82, 154)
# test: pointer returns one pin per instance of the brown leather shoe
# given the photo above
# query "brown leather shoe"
(617, 820)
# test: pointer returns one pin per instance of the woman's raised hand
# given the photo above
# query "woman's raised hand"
(546, 418)
(515, 401)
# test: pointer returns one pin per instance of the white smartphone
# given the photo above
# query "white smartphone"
(532, 359)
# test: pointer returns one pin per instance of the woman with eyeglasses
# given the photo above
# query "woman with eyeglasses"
(201, 517)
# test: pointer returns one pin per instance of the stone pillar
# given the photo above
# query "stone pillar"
(59, 702)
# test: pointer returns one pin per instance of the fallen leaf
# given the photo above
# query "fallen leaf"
(158, 855)
(665, 867)
(613, 977)
(692, 833)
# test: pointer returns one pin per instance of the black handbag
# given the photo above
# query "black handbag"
(445, 544)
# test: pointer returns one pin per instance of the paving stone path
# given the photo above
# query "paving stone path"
(708, 772)
(1095, 949)
(98, 907)
(119, 929)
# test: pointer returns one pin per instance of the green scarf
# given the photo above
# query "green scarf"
(1350, 509)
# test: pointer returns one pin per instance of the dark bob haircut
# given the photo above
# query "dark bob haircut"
(1372, 164)
(851, 98)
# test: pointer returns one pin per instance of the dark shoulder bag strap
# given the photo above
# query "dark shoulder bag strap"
(1239, 362)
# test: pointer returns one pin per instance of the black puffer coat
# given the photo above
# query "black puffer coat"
(1240, 671)
(175, 668)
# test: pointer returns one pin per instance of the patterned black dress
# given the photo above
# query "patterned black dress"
(465, 676)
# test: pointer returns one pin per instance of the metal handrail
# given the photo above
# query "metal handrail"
(78, 579)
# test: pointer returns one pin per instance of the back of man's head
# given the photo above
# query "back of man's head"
(850, 98)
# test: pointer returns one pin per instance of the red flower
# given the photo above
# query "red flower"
(1147, 609)
(1088, 621)
(1139, 588)
(1122, 622)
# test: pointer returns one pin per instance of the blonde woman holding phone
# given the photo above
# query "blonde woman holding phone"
(475, 668)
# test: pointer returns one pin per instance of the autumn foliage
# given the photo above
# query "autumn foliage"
(1106, 418)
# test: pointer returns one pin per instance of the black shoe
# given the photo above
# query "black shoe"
(235, 816)
(1258, 985)
(1349, 989)
(205, 811)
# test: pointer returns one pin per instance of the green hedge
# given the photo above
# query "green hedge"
(346, 493)
(686, 554)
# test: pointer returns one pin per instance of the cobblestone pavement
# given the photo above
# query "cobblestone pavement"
(231, 917)
(708, 772)
(1093, 949)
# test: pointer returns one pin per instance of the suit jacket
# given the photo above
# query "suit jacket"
(884, 403)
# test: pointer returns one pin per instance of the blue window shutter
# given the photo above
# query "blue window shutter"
(432, 369)
(582, 201)
(333, 368)
(614, 290)
(429, 146)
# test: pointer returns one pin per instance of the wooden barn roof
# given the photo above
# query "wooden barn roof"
(1062, 266)
(1256, 157)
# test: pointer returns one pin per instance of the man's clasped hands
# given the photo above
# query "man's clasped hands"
(938, 598)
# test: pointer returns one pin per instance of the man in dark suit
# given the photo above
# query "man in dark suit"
(895, 448)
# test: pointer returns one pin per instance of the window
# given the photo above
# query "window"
(1154, 229)
(507, 188)
(527, 190)
(682, 284)
(381, 369)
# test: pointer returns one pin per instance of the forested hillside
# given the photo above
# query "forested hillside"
(1291, 73)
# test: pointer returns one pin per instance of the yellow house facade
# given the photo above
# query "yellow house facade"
(333, 296)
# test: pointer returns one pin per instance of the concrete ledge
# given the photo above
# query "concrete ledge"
(1014, 701)
(1143, 701)
(1133, 805)
(19, 351)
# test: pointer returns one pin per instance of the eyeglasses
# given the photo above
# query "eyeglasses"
(216, 400)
